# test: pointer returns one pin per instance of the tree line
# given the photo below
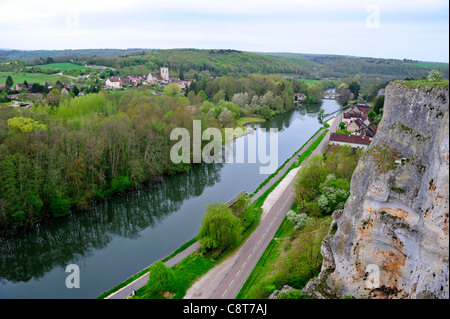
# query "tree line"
(54, 159)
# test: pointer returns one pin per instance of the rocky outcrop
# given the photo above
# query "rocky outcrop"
(284, 291)
(392, 238)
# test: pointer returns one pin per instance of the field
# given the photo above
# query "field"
(29, 77)
(63, 66)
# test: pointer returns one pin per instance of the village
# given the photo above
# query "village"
(355, 129)
(79, 86)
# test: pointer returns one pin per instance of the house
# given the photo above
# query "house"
(113, 82)
(163, 75)
(299, 97)
(188, 81)
(356, 127)
(354, 141)
(154, 77)
(361, 104)
(180, 84)
(350, 116)
(20, 87)
(369, 132)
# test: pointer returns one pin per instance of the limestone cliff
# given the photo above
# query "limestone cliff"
(392, 238)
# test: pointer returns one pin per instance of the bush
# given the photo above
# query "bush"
(435, 76)
(120, 184)
(60, 207)
(299, 220)
(161, 278)
(219, 227)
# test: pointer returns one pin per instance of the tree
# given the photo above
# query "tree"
(355, 87)
(226, 117)
(202, 94)
(172, 90)
(371, 115)
(181, 76)
(266, 112)
(334, 193)
(76, 90)
(25, 125)
(161, 278)
(435, 76)
(219, 227)
(220, 95)
(240, 205)
(9, 82)
(54, 97)
(379, 104)
(278, 104)
(299, 220)
(342, 125)
(315, 92)
(309, 179)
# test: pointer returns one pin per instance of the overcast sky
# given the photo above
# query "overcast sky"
(376, 28)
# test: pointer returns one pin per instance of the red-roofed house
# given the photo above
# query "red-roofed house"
(355, 141)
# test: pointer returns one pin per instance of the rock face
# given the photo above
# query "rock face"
(392, 238)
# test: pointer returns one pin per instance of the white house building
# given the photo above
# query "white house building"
(163, 75)
(113, 82)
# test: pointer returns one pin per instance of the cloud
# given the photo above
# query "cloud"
(406, 28)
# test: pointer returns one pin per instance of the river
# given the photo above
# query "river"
(117, 238)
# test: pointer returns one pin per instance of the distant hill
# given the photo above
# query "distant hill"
(216, 62)
(232, 62)
(24, 55)
(340, 66)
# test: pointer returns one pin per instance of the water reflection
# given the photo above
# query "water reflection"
(74, 238)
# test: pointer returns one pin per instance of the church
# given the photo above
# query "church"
(152, 78)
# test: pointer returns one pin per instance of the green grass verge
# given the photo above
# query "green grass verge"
(285, 162)
(247, 120)
(144, 271)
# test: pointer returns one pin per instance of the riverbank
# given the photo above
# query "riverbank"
(194, 260)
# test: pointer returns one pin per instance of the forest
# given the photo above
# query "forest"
(55, 159)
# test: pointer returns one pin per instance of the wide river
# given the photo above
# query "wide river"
(117, 238)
